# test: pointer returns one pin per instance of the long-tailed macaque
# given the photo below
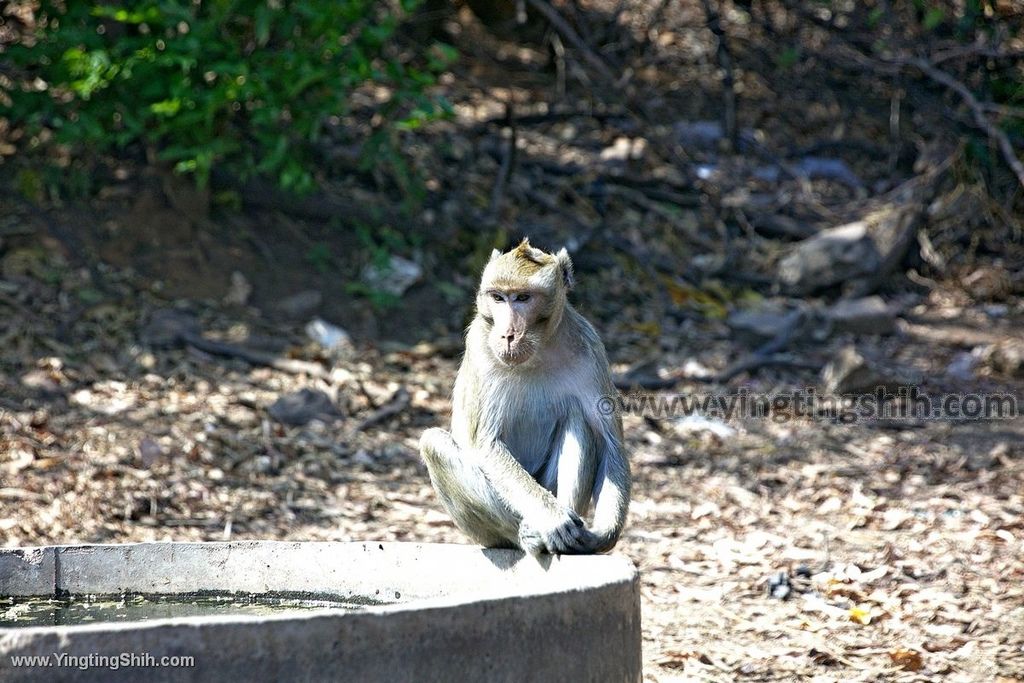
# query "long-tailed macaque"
(532, 444)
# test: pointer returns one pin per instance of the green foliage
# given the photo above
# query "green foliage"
(933, 18)
(379, 300)
(243, 84)
(319, 256)
(787, 57)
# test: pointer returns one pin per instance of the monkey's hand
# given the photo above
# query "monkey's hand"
(560, 532)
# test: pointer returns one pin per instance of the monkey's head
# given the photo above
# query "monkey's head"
(522, 299)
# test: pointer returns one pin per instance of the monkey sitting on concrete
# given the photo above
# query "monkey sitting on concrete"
(532, 445)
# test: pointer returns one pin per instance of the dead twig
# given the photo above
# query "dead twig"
(728, 81)
(584, 231)
(756, 362)
(640, 198)
(768, 353)
(508, 161)
(169, 328)
(253, 357)
(981, 120)
(398, 402)
(570, 34)
(977, 111)
(914, 196)
(983, 51)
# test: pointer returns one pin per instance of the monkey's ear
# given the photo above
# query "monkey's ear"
(494, 254)
(565, 266)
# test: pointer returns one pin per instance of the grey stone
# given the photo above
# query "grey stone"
(852, 373)
(299, 407)
(1006, 357)
(458, 613)
(398, 275)
(300, 305)
(26, 571)
(754, 326)
(868, 315)
(169, 327)
(829, 258)
(963, 365)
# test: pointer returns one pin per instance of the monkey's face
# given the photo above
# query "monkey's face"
(521, 300)
(517, 322)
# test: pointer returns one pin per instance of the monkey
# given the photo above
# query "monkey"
(533, 444)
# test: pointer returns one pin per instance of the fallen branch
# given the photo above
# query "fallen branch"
(768, 353)
(170, 328)
(982, 121)
(913, 198)
(728, 81)
(398, 402)
(569, 33)
(508, 160)
(756, 361)
(292, 366)
(977, 110)
(968, 51)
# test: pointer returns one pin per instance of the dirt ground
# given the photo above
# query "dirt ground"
(769, 549)
(902, 543)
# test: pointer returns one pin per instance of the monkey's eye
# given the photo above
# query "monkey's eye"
(496, 297)
(522, 297)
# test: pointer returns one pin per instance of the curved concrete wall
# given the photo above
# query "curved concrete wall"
(461, 613)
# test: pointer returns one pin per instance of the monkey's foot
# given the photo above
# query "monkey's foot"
(566, 534)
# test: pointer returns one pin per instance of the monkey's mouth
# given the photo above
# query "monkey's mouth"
(517, 355)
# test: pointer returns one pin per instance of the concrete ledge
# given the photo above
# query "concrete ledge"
(460, 613)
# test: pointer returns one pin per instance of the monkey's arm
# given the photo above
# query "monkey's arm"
(547, 525)
(612, 484)
(611, 497)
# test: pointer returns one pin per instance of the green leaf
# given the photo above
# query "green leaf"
(166, 107)
(934, 17)
(788, 57)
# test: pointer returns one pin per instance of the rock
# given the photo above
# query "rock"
(149, 452)
(169, 327)
(868, 315)
(398, 275)
(828, 169)
(707, 136)
(42, 381)
(695, 424)
(850, 372)
(963, 365)
(754, 326)
(1006, 357)
(302, 406)
(300, 305)
(624, 149)
(829, 258)
(779, 586)
(331, 337)
(988, 283)
(239, 291)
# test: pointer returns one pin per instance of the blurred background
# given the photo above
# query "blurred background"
(239, 243)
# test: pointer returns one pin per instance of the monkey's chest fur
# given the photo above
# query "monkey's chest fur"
(531, 417)
(531, 430)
